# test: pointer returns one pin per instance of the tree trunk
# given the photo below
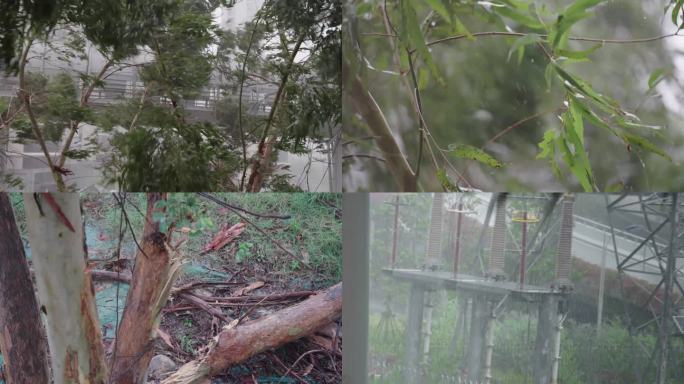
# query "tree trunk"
(22, 338)
(263, 159)
(237, 344)
(65, 291)
(156, 268)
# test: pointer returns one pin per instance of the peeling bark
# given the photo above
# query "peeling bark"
(156, 268)
(22, 337)
(237, 344)
(64, 289)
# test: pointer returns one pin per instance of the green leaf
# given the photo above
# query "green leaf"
(412, 36)
(645, 145)
(571, 15)
(547, 147)
(656, 77)
(519, 44)
(575, 85)
(446, 183)
(675, 11)
(519, 15)
(461, 28)
(575, 134)
(579, 55)
(465, 151)
(439, 7)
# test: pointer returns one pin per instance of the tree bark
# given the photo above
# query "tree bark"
(22, 337)
(57, 243)
(363, 103)
(237, 344)
(155, 270)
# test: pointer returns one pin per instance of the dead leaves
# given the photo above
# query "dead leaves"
(224, 237)
(249, 288)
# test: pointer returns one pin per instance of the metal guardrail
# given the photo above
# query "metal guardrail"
(125, 86)
(606, 228)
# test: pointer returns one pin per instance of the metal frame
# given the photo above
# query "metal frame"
(661, 246)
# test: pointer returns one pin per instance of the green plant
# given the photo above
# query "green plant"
(244, 251)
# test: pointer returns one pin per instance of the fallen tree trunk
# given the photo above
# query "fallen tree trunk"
(238, 343)
(22, 337)
(156, 268)
(65, 292)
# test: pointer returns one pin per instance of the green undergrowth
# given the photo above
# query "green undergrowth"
(586, 357)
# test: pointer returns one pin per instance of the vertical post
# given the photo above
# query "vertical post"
(395, 231)
(523, 250)
(414, 325)
(457, 239)
(489, 344)
(663, 335)
(427, 327)
(355, 238)
(556, 350)
(476, 344)
(545, 344)
(602, 283)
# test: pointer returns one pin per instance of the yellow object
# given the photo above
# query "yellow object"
(519, 217)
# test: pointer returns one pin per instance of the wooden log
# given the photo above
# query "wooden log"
(236, 344)
(22, 337)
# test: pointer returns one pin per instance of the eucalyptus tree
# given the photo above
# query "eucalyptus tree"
(22, 341)
(306, 66)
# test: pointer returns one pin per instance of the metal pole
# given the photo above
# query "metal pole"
(602, 282)
(427, 328)
(489, 345)
(664, 336)
(556, 353)
(523, 250)
(457, 247)
(395, 231)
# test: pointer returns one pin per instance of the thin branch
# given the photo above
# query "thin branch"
(235, 207)
(520, 34)
(519, 123)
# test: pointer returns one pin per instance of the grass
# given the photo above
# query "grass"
(313, 230)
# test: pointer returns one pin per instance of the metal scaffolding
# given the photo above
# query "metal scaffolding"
(655, 255)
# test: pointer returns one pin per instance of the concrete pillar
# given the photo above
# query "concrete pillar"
(545, 345)
(476, 343)
(414, 325)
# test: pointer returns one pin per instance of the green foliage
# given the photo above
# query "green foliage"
(464, 151)
(183, 62)
(539, 35)
(244, 251)
(182, 210)
(184, 157)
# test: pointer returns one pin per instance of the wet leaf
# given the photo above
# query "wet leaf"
(465, 151)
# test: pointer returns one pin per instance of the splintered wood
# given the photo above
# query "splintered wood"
(224, 237)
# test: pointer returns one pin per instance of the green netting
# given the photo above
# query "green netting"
(106, 301)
